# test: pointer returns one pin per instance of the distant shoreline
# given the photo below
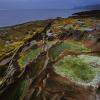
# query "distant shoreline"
(92, 13)
(17, 17)
(74, 15)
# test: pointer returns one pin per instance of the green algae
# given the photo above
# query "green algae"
(67, 45)
(76, 69)
(29, 56)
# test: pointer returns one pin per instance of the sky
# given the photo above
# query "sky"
(45, 4)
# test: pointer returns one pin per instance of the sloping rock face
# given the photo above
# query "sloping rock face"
(38, 81)
(37, 78)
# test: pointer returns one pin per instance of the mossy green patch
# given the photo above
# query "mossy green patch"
(67, 45)
(29, 56)
(76, 69)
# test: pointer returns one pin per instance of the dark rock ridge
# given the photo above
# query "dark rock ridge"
(93, 13)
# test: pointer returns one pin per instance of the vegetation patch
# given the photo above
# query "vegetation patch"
(28, 56)
(76, 69)
(92, 60)
(67, 45)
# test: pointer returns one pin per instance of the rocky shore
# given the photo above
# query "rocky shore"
(55, 59)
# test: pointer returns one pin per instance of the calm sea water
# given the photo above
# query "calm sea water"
(13, 17)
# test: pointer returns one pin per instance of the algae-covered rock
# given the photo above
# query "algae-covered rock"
(67, 45)
(76, 69)
(50, 60)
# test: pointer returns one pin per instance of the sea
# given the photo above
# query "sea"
(14, 17)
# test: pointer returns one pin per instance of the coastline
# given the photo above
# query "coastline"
(41, 49)
(21, 17)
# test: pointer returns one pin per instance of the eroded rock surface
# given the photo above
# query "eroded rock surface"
(54, 64)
